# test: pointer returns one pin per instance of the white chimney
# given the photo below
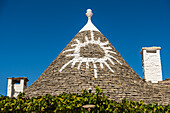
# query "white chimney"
(151, 62)
(16, 85)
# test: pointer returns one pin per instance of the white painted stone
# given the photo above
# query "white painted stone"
(14, 89)
(152, 70)
(9, 89)
(80, 60)
(89, 25)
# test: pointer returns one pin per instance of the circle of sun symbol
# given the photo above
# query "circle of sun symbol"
(80, 60)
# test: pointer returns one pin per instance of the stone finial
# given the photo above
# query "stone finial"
(89, 14)
(89, 25)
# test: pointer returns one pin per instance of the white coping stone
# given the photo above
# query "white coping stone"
(89, 25)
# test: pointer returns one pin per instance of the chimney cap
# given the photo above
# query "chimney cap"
(18, 78)
(150, 48)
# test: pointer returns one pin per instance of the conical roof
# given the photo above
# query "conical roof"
(90, 60)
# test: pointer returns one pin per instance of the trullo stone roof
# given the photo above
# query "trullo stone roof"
(90, 60)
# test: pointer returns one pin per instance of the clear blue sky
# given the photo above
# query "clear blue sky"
(34, 32)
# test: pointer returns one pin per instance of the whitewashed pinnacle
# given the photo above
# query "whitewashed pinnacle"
(89, 25)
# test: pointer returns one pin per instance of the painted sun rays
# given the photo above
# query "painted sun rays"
(79, 59)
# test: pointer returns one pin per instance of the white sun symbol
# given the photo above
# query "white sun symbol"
(80, 60)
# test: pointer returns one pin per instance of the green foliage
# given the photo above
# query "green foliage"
(72, 103)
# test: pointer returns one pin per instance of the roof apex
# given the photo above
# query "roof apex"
(89, 25)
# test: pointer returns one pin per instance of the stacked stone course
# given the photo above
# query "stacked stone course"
(123, 83)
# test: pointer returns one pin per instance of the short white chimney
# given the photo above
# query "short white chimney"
(16, 85)
(151, 62)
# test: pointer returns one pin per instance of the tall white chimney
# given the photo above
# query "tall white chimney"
(151, 62)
